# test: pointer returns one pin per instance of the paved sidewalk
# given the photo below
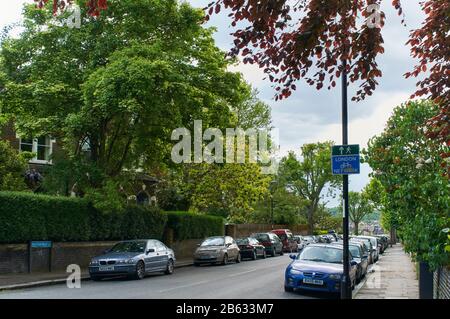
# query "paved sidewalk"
(394, 277)
(25, 280)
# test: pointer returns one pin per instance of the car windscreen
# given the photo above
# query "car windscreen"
(262, 237)
(242, 241)
(214, 241)
(129, 247)
(322, 254)
(282, 236)
(354, 250)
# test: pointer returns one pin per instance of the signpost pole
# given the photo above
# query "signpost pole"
(345, 284)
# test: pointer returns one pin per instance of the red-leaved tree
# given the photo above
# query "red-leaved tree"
(308, 40)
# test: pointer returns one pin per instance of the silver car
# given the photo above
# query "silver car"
(133, 258)
(218, 249)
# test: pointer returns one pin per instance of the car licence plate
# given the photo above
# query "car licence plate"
(109, 268)
(313, 281)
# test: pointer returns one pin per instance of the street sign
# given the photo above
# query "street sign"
(41, 244)
(345, 159)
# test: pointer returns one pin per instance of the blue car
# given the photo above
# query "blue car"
(318, 268)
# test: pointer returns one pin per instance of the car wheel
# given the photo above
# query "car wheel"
(95, 278)
(196, 264)
(288, 289)
(170, 267)
(281, 252)
(140, 271)
(273, 252)
(264, 254)
(225, 259)
(254, 255)
(238, 258)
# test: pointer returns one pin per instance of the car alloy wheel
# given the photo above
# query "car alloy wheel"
(273, 252)
(140, 270)
(170, 267)
(225, 259)
(254, 255)
(238, 258)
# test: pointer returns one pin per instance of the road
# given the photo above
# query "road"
(258, 279)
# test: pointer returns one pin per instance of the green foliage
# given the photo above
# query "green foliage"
(12, 168)
(324, 220)
(231, 187)
(188, 225)
(27, 216)
(307, 177)
(417, 194)
(359, 206)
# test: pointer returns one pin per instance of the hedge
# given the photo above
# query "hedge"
(187, 225)
(27, 216)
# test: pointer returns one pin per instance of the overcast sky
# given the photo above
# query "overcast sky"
(309, 115)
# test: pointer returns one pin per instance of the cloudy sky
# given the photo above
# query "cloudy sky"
(310, 115)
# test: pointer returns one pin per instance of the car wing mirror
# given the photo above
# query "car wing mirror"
(150, 250)
(353, 263)
(293, 257)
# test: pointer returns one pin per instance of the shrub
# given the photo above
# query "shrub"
(187, 225)
(27, 216)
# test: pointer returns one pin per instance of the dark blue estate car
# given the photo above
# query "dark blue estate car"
(133, 258)
(318, 268)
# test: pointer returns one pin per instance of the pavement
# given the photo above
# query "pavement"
(393, 277)
(259, 279)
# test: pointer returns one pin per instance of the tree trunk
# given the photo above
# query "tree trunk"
(311, 220)
(356, 228)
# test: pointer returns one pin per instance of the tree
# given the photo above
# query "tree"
(12, 168)
(115, 88)
(308, 39)
(325, 221)
(417, 196)
(359, 206)
(307, 177)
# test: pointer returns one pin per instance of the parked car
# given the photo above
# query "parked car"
(300, 242)
(287, 238)
(358, 254)
(369, 247)
(133, 258)
(374, 242)
(384, 242)
(217, 249)
(309, 240)
(319, 268)
(334, 235)
(271, 242)
(324, 239)
(251, 248)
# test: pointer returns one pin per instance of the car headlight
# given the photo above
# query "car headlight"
(335, 276)
(94, 263)
(295, 272)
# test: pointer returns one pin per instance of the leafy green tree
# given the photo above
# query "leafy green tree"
(325, 221)
(309, 176)
(417, 196)
(359, 206)
(12, 168)
(114, 89)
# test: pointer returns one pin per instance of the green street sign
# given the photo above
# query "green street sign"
(343, 150)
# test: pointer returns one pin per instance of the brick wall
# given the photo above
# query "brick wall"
(243, 230)
(441, 283)
(14, 258)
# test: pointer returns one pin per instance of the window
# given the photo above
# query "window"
(41, 146)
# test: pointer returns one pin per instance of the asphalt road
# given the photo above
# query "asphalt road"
(258, 279)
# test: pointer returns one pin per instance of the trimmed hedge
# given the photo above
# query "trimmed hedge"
(187, 225)
(27, 216)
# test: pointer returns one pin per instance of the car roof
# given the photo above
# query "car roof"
(324, 245)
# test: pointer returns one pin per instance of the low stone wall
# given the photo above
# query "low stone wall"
(14, 258)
